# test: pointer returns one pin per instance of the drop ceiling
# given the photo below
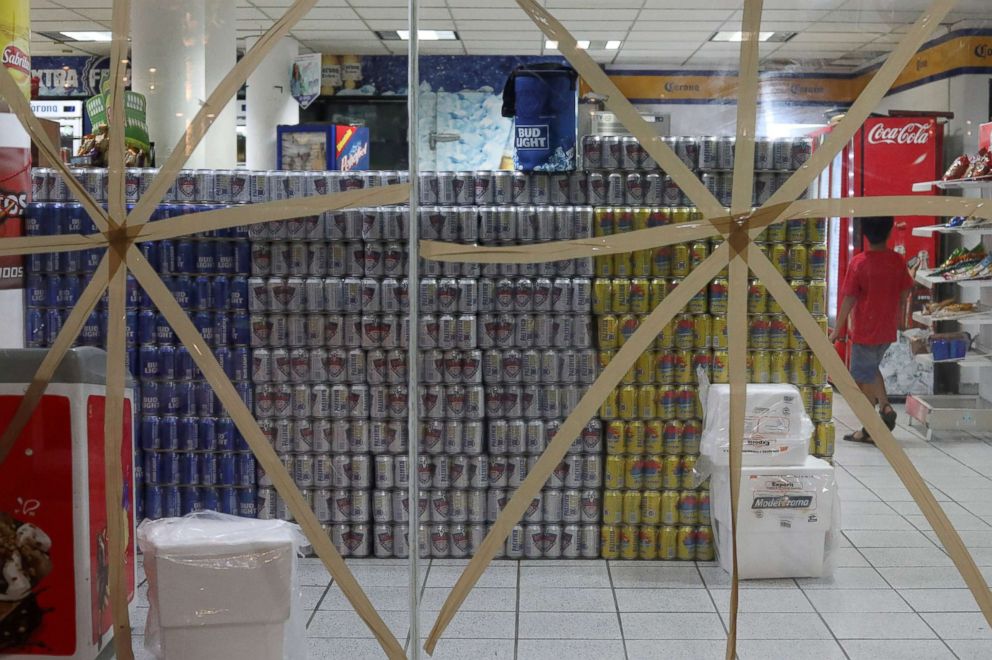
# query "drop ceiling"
(830, 33)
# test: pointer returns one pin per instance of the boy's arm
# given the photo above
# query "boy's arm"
(840, 329)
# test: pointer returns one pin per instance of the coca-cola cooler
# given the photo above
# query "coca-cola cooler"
(54, 545)
(886, 157)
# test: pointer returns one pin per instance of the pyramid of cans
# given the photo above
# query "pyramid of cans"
(188, 454)
(652, 506)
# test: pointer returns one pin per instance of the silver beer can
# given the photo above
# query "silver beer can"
(570, 542)
(612, 152)
(382, 540)
(483, 181)
(440, 541)
(514, 548)
(440, 505)
(458, 501)
(551, 542)
(551, 505)
(533, 542)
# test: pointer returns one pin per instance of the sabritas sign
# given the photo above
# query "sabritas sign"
(15, 58)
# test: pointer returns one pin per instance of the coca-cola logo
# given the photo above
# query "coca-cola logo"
(912, 133)
(15, 58)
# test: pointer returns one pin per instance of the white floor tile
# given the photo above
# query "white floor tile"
(472, 625)
(655, 577)
(857, 600)
(846, 578)
(589, 577)
(664, 600)
(776, 649)
(875, 625)
(568, 625)
(763, 600)
(494, 576)
(676, 649)
(885, 557)
(971, 649)
(553, 599)
(671, 626)
(896, 649)
(570, 649)
(766, 625)
(940, 600)
(946, 577)
(480, 599)
(959, 625)
(463, 649)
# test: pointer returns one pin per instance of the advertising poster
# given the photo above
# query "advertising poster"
(304, 82)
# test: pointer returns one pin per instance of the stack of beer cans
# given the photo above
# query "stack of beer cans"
(653, 507)
(189, 455)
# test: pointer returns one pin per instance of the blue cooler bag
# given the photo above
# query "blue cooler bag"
(542, 99)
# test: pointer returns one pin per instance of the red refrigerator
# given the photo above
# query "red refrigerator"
(886, 156)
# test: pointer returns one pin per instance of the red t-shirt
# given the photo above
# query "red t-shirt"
(877, 279)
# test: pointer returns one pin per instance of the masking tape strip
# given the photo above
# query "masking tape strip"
(22, 109)
(53, 357)
(117, 148)
(44, 244)
(747, 109)
(212, 108)
(737, 366)
(113, 423)
(260, 447)
(884, 440)
(597, 246)
(249, 214)
(866, 102)
(570, 430)
(600, 83)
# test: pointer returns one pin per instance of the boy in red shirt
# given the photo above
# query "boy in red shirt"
(876, 288)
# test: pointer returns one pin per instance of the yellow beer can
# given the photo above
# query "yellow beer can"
(623, 265)
(702, 331)
(692, 433)
(651, 467)
(661, 261)
(620, 295)
(632, 507)
(658, 289)
(672, 437)
(778, 254)
(823, 403)
(634, 438)
(670, 507)
(651, 507)
(795, 230)
(816, 301)
(757, 297)
(668, 542)
(718, 331)
(704, 543)
(688, 472)
(627, 402)
(639, 295)
(688, 511)
(654, 436)
(633, 471)
(610, 542)
(824, 440)
(616, 439)
(817, 374)
(603, 221)
(686, 546)
(628, 541)
(608, 332)
(626, 327)
(602, 295)
(778, 332)
(608, 409)
(779, 365)
(612, 507)
(613, 474)
(666, 404)
(671, 473)
(647, 547)
(683, 368)
(640, 263)
(799, 369)
(681, 260)
(798, 261)
(721, 366)
(718, 295)
(644, 367)
(760, 366)
(603, 265)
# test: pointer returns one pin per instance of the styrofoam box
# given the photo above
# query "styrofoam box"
(785, 518)
(776, 427)
(217, 599)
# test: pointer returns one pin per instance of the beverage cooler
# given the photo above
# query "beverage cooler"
(885, 157)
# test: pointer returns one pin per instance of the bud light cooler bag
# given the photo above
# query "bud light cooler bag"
(542, 100)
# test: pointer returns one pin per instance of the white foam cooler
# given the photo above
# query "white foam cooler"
(787, 517)
(220, 588)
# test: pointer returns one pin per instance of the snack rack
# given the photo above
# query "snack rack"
(957, 410)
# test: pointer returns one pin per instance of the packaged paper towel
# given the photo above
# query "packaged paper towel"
(788, 520)
(776, 427)
(220, 586)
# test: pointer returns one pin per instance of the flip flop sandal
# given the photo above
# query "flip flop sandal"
(863, 439)
(889, 417)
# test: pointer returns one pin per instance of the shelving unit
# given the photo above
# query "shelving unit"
(950, 412)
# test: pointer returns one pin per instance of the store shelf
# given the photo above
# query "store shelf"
(957, 184)
(979, 317)
(973, 358)
(930, 230)
(949, 412)
(924, 278)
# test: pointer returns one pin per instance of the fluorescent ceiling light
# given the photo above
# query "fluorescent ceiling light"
(551, 44)
(762, 36)
(88, 36)
(429, 35)
(613, 44)
(581, 44)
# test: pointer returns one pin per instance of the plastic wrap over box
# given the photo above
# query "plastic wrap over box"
(776, 428)
(223, 587)
(788, 520)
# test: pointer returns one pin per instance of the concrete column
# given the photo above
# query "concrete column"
(180, 50)
(269, 103)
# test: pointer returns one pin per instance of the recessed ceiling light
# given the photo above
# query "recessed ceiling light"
(551, 44)
(762, 36)
(613, 44)
(88, 36)
(581, 44)
(423, 35)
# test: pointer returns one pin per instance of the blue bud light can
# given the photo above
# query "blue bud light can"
(240, 444)
(139, 502)
(131, 327)
(133, 292)
(220, 291)
(208, 469)
(33, 217)
(163, 331)
(53, 289)
(185, 367)
(240, 364)
(150, 400)
(37, 290)
(148, 364)
(242, 257)
(146, 327)
(206, 257)
(182, 287)
(225, 431)
(225, 469)
(73, 261)
(153, 501)
(209, 499)
(189, 501)
(223, 355)
(207, 430)
(167, 361)
(202, 297)
(168, 467)
(149, 432)
(168, 433)
(50, 222)
(224, 255)
(170, 502)
(68, 292)
(71, 220)
(246, 393)
(222, 328)
(228, 500)
(52, 326)
(92, 332)
(167, 256)
(204, 323)
(152, 254)
(34, 328)
(51, 262)
(189, 468)
(35, 263)
(131, 359)
(185, 256)
(247, 502)
(238, 293)
(240, 334)
(186, 395)
(90, 260)
(168, 397)
(244, 469)
(188, 433)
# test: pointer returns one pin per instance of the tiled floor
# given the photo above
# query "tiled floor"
(893, 595)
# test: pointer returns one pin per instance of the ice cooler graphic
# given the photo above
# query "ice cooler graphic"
(542, 99)
(54, 587)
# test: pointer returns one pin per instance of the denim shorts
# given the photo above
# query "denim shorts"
(865, 359)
